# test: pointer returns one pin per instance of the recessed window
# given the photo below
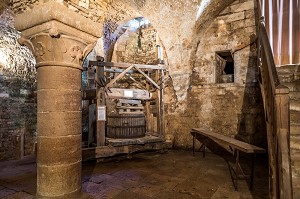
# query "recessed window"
(224, 67)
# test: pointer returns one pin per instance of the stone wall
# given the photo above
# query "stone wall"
(92, 9)
(17, 118)
(233, 109)
(17, 100)
(127, 50)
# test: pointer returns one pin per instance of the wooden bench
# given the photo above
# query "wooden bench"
(235, 147)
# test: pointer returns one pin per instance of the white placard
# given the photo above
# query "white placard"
(101, 113)
(128, 93)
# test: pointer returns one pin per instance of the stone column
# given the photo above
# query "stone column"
(60, 39)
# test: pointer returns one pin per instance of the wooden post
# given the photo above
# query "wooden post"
(282, 113)
(158, 100)
(92, 120)
(147, 110)
(162, 106)
(100, 102)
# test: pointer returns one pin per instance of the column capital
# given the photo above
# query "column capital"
(56, 35)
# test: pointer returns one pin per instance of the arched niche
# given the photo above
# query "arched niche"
(136, 42)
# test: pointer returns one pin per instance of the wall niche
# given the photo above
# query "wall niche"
(224, 67)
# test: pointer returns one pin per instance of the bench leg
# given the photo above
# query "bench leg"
(203, 147)
(237, 162)
(194, 143)
(252, 171)
(235, 169)
(204, 150)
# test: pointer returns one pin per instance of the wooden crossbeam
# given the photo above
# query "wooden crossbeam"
(147, 77)
(136, 66)
(119, 76)
(125, 65)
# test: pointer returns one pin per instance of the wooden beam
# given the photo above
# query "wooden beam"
(125, 65)
(118, 70)
(137, 82)
(109, 151)
(147, 77)
(162, 105)
(119, 76)
(136, 94)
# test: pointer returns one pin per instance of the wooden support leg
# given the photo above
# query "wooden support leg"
(237, 159)
(252, 171)
(194, 144)
(204, 147)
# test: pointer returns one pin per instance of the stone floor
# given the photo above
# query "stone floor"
(172, 175)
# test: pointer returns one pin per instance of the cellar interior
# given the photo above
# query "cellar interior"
(112, 98)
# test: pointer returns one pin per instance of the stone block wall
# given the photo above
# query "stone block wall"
(92, 9)
(127, 50)
(17, 118)
(232, 109)
(17, 100)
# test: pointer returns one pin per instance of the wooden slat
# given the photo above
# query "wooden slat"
(108, 151)
(147, 77)
(125, 65)
(110, 84)
(130, 107)
(140, 85)
(126, 101)
(242, 146)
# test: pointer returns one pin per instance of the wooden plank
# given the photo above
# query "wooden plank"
(109, 151)
(131, 107)
(285, 177)
(117, 70)
(130, 112)
(132, 141)
(110, 84)
(125, 65)
(140, 85)
(283, 135)
(126, 101)
(136, 94)
(147, 77)
(242, 146)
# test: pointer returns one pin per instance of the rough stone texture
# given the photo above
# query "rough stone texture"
(127, 49)
(233, 109)
(17, 118)
(62, 41)
(17, 101)
(93, 9)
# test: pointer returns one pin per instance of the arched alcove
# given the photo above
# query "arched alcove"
(137, 44)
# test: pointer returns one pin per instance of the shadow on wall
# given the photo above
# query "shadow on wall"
(251, 122)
